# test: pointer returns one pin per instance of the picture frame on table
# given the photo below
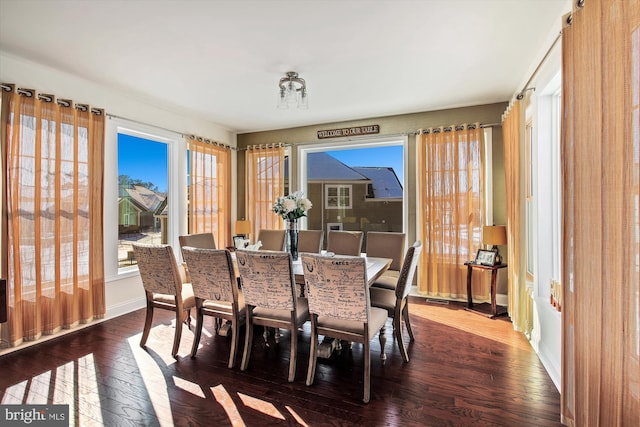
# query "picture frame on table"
(486, 257)
(239, 242)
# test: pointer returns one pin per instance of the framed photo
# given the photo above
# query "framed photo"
(239, 242)
(485, 257)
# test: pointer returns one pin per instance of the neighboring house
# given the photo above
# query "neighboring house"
(352, 198)
(136, 209)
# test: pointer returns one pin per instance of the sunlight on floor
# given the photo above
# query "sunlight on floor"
(224, 399)
(75, 381)
(495, 329)
(261, 406)
(188, 386)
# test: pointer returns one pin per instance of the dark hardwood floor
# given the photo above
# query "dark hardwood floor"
(464, 370)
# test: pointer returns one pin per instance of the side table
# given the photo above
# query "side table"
(494, 273)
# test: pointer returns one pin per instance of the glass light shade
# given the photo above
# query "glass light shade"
(303, 100)
(282, 100)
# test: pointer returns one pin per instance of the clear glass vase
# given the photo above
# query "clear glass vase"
(292, 238)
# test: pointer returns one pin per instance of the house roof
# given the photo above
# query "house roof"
(146, 199)
(323, 167)
(385, 182)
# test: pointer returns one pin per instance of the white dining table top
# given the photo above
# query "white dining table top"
(375, 268)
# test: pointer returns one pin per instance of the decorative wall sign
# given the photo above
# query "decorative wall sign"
(354, 131)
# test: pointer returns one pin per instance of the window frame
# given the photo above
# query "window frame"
(339, 197)
(176, 189)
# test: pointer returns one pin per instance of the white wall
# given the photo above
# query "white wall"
(124, 292)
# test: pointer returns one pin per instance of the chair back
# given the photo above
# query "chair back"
(310, 241)
(387, 245)
(158, 269)
(337, 287)
(200, 240)
(345, 242)
(267, 279)
(272, 240)
(408, 270)
(212, 274)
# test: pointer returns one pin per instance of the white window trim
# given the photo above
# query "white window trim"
(338, 187)
(176, 191)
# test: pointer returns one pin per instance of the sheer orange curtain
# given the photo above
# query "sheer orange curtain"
(520, 303)
(53, 257)
(210, 191)
(265, 182)
(601, 218)
(451, 210)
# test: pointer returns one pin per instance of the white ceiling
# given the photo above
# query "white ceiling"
(221, 60)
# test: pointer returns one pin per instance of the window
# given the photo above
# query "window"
(354, 185)
(337, 197)
(530, 205)
(143, 210)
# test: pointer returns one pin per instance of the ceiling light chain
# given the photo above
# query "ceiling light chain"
(293, 91)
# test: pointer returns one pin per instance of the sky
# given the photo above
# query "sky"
(152, 165)
(379, 156)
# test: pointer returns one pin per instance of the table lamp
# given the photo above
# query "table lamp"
(243, 228)
(495, 235)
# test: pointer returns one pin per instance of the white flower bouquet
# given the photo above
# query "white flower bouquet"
(292, 206)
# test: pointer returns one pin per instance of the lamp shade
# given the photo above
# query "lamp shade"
(243, 227)
(494, 235)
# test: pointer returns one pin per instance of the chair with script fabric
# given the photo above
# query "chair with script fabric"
(272, 240)
(387, 245)
(310, 241)
(215, 289)
(164, 286)
(339, 307)
(345, 242)
(269, 291)
(396, 301)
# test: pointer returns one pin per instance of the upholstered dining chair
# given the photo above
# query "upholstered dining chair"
(345, 242)
(339, 308)
(199, 240)
(272, 240)
(269, 291)
(310, 241)
(396, 301)
(216, 293)
(164, 286)
(382, 244)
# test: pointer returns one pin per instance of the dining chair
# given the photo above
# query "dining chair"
(199, 240)
(272, 240)
(310, 241)
(382, 244)
(396, 301)
(339, 307)
(345, 242)
(216, 293)
(269, 291)
(164, 286)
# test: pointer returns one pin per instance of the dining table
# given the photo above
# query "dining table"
(376, 266)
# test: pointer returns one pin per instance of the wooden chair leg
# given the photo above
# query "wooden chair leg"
(400, 338)
(198, 331)
(293, 354)
(248, 340)
(234, 342)
(313, 354)
(178, 334)
(407, 322)
(147, 324)
(367, 371)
